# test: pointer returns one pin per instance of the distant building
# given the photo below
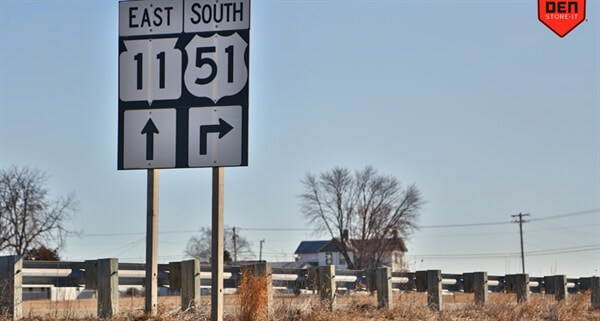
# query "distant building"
(318, 253)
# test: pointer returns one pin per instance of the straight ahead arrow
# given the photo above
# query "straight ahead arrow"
(222, 128)
(149, 130)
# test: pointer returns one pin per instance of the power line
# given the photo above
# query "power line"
(276, 229)
(563, 249)
(564, 215)
(294, 229)
(552, 217)
(566, 252)
(268, 229)
(464, 225)
(135, 233)
(541, 252)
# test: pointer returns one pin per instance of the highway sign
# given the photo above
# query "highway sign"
(181, 64)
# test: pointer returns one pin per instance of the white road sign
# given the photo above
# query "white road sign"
(150, 17)
(221, 15)
(215, 136)
(183, 61)
(149, 138)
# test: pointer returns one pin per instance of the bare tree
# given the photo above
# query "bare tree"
(199, 246)
(362, 211)
(28, 217)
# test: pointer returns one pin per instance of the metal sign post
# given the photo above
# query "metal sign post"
(151, 281)
(217, 247)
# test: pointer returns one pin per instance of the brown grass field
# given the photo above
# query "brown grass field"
(358, 307)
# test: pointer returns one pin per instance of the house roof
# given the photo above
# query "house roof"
(333, 245)
(310, 247)
(393, 244)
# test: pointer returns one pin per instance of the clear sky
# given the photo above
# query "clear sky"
(479, 104)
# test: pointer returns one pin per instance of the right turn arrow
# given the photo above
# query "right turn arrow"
(222, 128)
(149, 130)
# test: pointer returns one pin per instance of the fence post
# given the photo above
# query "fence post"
(108, 287)
(190, 284)
(313, 278)
(327, 286)
(480, 287)
(371, 284)
(421, 281)
(584, 284)
(91, 274)
(383, 282)
(301, 281)
(467, 282)
(434, 289)
(11, 290)
(595, 285)
(549, 287)
(560, 287)
(411, 285)
(521, 284)
(175, 275)
(263, 269)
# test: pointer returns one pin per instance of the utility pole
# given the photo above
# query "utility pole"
(260, 251)
(521, 221)
(234, 245)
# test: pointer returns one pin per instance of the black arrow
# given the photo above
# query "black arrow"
(149, 130)
(222, 128)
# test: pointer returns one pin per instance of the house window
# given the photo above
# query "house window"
(328, 258)
(342, 259)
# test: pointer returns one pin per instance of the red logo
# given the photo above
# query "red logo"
(561, 16)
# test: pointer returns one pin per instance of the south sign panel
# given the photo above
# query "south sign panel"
(183, 83)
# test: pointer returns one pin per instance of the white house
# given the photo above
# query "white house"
(317, 253)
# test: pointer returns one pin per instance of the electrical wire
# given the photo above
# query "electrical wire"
(293, 229)
(540, 252)
(564, 215)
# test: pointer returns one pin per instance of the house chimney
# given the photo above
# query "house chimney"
(345, 235)
(395, 234)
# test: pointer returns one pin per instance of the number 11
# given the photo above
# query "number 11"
(161, 69)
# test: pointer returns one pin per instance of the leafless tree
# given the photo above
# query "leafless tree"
(362, 211)
(28, 217)
(199, 246)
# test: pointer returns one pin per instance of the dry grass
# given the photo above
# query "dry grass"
(252, 294)
(409, 307)
(413, 307)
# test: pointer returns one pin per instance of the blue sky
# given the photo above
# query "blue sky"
(476, 102)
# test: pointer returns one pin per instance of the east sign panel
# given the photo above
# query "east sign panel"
(183, 83)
